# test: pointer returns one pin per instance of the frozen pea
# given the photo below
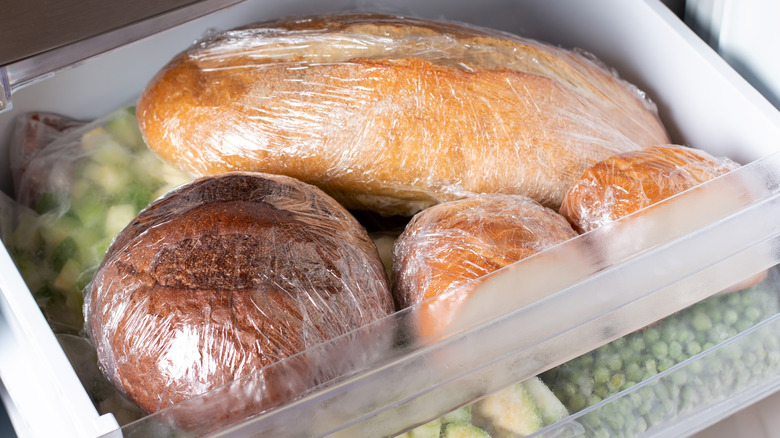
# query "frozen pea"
(730, 316)
(701, 322)
(634, 372)
(601, 375)
(753, 314)
(652, 335)
(577, 402)
(616, 382)
(660, 350)
(693, 348)
(638, 344)
(664, 364)
(675, 350)
(615, 363)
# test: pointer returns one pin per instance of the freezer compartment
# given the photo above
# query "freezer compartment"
(685, 248)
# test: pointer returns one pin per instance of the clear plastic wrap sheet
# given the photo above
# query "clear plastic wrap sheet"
(394, 114)
(226, 275)
(382, 380)
(77, 184)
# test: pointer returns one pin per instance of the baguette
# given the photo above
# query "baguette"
(393, 114)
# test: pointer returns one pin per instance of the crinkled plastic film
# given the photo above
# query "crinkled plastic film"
(225, 276)
(76, 185)
(393, 114)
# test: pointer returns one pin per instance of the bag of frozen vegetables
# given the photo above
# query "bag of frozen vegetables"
(77, 185)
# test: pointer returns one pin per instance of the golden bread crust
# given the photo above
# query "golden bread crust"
(391, 114)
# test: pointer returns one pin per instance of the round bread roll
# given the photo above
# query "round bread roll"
(452, 243)
(224, 276)
(393, 114)
(625, 183)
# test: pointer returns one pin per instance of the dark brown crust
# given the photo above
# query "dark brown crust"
(225, 276)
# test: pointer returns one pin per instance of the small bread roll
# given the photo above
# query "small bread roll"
(625, 183)
(225, 276)
(449, 244)
(629, 182)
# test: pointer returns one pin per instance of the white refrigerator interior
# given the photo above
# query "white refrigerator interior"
(746, 36)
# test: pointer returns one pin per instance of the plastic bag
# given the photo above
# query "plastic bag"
(78, 187)
(707, 353)
(393, 114)
(224, 276)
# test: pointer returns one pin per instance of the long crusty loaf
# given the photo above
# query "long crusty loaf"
(393, 114)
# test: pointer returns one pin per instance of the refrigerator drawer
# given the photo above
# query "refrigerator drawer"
(678, 253)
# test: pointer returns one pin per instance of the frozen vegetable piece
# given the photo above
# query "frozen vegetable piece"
(458, 416)
(509, 413)
(85, 185)
(551, 408)
(431, 429)
(462, 430)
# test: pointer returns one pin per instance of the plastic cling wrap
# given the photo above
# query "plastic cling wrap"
(449, 244)
(393, 114)
(628, 182)
(225, 276)
(77, 185)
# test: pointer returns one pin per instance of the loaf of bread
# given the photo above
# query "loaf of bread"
(224, 276)
(454, 242)
(628, 182)
(393, 114)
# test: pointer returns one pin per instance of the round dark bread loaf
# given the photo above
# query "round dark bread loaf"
(224, 276)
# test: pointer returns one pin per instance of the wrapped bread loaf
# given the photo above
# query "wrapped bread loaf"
(628, 182)
(225, 276)
(452, 243)
(393, 114)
